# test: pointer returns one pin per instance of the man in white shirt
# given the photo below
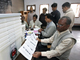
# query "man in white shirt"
(35, 23)
(69, 12)
(62, 42)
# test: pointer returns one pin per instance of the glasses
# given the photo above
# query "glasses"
(59, 24)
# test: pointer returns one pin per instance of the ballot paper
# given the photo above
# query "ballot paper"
(28, 48)
(32, 36)
(25, 52)
(36, 30)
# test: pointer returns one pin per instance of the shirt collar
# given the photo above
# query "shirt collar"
(59, 33)
(44, 14)
(35, 21)
(70, 9)
(54, 10)
(49, 22)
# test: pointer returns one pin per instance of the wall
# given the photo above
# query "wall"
(5, 6)
(77, 20)
(38, 2)
(60, 2)
(11, 6)
(17, 6)
(10, 34)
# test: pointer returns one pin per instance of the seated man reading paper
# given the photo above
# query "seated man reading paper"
(62, 42)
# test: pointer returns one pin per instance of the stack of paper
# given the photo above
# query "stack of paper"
(36, 30)
(28, 48)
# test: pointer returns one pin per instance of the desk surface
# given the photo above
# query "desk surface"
(20, 57)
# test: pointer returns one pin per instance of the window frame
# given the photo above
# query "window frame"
(79, 10)
(43, 4)
(31, 6)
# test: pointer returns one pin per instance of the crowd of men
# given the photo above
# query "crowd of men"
(54, 30)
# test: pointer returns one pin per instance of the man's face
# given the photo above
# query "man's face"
(54, 8)
(34, 18)
(31, 9)
(46, 19)
(44, 11)
(62, 26)
(64, 9)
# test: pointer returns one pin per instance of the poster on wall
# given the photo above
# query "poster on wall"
(11, 6)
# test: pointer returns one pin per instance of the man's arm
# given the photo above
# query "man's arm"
(40, 18)
(49, 32)
(30, 24)
(57, 17)
(48, 40)
(72, 17)
(39, 24)
(60, 49)
(28, 18)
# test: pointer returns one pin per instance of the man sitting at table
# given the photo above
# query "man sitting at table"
(47, 32)
(62, 42)
(35, 23)
(50, 28)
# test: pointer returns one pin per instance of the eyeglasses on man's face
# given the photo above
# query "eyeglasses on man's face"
(59, 24)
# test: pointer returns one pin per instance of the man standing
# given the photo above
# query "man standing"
(69, 12)
(62, 42)
(30, 15)
(42, 18)
(29, 18)
(55, 13)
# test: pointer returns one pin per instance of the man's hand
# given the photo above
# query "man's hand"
(37, 54)
(34, 26)
(22, 17)
(40, 30)
(38, 39)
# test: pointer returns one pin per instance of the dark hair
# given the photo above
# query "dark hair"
(45, 9)
(35, 16)
(68, 22)
(49, 16)
(67, 4)
(54, 5)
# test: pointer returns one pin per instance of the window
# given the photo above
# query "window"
(76, 9)
(44, 6)
(33, 6)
